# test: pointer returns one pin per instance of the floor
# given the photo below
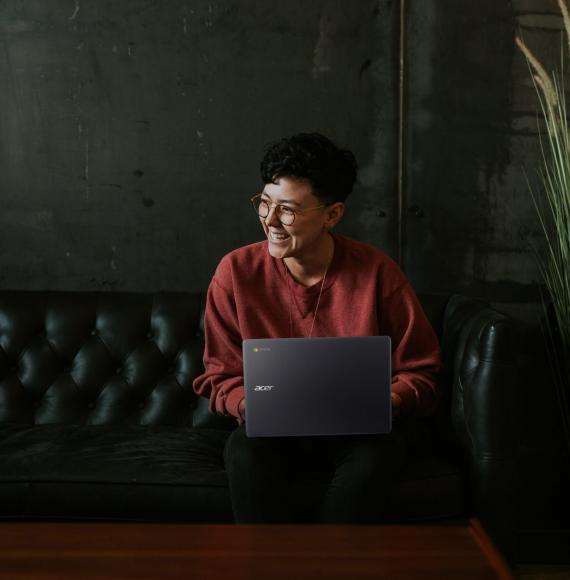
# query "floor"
(543, 572)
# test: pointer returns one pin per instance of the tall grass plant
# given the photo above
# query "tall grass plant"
(553, 211)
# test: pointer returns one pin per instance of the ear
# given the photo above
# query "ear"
(334, 214)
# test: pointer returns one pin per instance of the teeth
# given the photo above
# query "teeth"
(278, 236)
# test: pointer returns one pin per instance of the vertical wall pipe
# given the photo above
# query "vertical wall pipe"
(401, 93)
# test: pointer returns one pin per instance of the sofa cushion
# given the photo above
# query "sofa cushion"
(430, 488)
(118, 472)
(163, 473)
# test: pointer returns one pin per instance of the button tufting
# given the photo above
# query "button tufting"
(94, 332)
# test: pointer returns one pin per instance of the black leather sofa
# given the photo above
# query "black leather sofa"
(98, 419)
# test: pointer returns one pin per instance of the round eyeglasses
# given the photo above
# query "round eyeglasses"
(285, 214)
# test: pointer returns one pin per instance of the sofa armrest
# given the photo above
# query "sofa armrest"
(482, 351)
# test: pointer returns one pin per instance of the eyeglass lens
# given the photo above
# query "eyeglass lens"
(285, 215)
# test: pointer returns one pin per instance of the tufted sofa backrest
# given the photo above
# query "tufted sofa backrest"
(109, 358)
(99, 358)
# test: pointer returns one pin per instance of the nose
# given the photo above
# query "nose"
(272, 219)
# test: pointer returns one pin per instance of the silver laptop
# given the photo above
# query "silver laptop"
(317, 386)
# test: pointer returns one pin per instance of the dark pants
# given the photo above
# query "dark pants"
(341, 479)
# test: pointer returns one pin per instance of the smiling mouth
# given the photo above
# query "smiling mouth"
(274, 237)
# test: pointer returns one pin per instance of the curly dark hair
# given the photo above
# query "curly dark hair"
(330, 171)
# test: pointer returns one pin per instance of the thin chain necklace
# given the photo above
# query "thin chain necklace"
(291, 299)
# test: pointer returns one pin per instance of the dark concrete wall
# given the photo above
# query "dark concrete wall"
(459, 62)
(131, 131)
(471, 136)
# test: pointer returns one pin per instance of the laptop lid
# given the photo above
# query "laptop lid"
(317, 386)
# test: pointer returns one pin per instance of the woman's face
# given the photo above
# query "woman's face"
(308, 230)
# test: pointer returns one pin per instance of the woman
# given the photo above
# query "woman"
(305, 281)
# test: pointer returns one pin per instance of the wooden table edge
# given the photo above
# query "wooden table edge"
(494, 557)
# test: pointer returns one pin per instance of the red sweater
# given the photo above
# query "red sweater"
(365, 294)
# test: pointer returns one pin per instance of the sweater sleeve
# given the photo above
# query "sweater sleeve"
(416, 360)
(222, 380)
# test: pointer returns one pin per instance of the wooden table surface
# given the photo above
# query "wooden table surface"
(201, 551)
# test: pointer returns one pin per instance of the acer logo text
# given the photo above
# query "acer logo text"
(263, 387)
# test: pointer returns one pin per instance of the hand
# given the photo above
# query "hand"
(241, 409)
(396, 405)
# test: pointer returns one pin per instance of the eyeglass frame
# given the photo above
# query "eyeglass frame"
(272, 205)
